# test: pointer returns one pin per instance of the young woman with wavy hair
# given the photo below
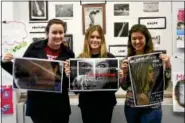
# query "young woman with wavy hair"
(140, 42)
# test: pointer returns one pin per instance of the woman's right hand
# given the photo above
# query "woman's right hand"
(124, 67)
(7, 57)
(66, 68)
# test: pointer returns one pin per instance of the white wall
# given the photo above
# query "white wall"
(75, 25)
(7, 14)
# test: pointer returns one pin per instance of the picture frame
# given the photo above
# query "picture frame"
(68, 40)
(64, 11)
(37, 27)
(151, 6)
(38, 10)
(118, 50)
(153, 22)
(93, 14)
(37, 36)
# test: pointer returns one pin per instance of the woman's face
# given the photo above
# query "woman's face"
(150, 74)
(138, 41)
(95, 40)
(56, 34)
(102, 67)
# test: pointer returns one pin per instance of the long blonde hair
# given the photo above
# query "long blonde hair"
(87, 51)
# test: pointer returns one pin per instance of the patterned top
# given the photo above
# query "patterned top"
(126, 85)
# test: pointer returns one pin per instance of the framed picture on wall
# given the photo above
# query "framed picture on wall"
(151, 6)
(64, 11)
(69, 40)
(118, 50)
(121, 29)
(37, 27)
(121, 9)
(38, 10)
(37, 36)
(153, 22)
(93, 14)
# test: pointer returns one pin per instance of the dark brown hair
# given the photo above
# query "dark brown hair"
(149, 44)
(55, 21)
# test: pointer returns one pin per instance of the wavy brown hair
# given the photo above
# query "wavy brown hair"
(87, 51)
(149, 44)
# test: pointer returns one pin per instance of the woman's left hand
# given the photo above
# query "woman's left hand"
(166, 60)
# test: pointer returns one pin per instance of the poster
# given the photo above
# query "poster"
(94, 74)
(147, 79)
(38, 74)
(6, 99)
(178, 92)
(180, 28)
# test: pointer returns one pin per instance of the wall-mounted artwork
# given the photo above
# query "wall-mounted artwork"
(153, 22)
(150, 6)
(118, 50)
(37, 36)
(38, 10)
(156, 40)
(64, 11)
(37, 27)
(178, 91)
(121, 9)
(69, 40)
(93, 14)
(121, 29)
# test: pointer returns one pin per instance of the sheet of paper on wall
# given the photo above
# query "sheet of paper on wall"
(14, 37)
(37, 74)
(178, 91)
(180, 28)
(156, 39)
(94, 74)
(147, 79)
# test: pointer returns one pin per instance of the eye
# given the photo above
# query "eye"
(101, 66)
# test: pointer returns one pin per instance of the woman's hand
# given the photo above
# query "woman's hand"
(7, 57)
(123, 71)
(124, 66)
(166, 60)
(67, 68)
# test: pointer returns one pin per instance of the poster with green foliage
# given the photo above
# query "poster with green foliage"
(147, 79)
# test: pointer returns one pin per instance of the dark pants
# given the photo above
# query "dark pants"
(97, 114)
(51, 119)
(143, 115)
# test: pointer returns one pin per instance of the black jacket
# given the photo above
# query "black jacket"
(46, 103)
(98, 99)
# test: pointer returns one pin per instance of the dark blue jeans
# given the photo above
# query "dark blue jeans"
(143, 115)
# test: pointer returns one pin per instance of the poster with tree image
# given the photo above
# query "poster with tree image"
(147, 79)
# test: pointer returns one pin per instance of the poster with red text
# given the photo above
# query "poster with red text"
(6, 99)
(97, 74)
(180, 28)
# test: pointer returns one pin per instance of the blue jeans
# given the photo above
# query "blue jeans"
(143, 114)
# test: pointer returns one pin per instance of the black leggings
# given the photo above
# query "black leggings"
(50, 119)
(96, 114)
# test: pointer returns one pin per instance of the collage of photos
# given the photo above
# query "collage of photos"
(94, 74)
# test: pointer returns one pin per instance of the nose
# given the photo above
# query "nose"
(137, 41)
(58, 35)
